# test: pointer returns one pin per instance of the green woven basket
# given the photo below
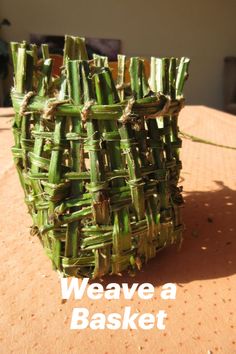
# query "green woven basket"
(98, 157)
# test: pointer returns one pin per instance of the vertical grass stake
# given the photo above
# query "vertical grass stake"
(98, 157)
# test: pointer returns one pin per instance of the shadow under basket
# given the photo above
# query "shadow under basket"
(97, 153)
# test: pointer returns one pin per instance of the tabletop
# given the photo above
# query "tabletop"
(203, 315)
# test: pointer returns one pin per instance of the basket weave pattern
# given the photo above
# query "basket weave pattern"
(98, 158)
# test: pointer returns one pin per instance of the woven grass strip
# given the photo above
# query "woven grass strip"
(98, 157)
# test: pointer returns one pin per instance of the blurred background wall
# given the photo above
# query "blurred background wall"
(204, 30)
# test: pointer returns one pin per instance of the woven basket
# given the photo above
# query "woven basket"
(98, 157)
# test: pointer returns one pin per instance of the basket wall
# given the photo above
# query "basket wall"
(98, 158)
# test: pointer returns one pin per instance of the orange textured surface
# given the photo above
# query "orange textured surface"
(33, 318)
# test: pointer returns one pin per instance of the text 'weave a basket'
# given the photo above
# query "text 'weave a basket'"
(98, 156)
